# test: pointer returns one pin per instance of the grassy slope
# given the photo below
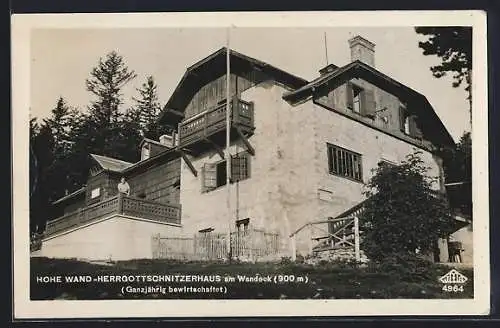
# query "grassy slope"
(329, 280)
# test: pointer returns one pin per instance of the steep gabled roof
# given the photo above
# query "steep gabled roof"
(357, 69)
(111, 164)
(212, 67)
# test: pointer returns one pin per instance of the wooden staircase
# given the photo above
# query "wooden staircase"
(332, 233)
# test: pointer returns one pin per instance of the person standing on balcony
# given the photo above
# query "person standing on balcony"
(123, 187)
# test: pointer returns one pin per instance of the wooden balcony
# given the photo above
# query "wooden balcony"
(210, 126)
(120, 204)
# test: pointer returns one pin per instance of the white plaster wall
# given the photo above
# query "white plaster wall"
(116, 238)
(372, 144)
(277, 196)
(289, 169)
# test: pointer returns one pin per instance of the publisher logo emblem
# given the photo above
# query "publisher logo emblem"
(453, 277)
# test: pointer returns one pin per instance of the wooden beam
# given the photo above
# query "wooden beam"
(217, 148)
(357, 251)
(186, 151)
(250, 149)
(189, 164)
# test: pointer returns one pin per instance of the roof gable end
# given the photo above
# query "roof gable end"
(214, 66)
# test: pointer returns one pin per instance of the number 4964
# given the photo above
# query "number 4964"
(453, 288)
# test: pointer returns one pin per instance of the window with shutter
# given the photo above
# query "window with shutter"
(414, 130)
(349, 94)
(368, 103)
(214, 174)
(403, 120)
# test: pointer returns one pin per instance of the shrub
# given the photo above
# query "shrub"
(402, 213)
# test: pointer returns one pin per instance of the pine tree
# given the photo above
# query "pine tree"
(105, 83)
(42, 145)
(453, 45)
(147, 109)
(60, 125)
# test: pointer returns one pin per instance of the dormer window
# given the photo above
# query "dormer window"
(146, 151)
(408, 123)
(356, 99)
(360, 100)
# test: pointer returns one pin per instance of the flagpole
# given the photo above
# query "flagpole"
(228, 143)
(326, 50)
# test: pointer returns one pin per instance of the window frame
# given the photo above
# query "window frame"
(92, 196)
(357, 93)
(345, 161)
(245, 223)
(247, 166)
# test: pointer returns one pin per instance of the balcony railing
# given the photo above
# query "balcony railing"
(213, 120)
(120, 204)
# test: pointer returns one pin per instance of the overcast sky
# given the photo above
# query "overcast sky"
(61, 60)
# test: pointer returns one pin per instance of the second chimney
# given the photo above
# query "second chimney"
(362, 50)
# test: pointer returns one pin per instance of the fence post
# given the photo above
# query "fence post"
(252, 234)
(356, 239)
(155, 245)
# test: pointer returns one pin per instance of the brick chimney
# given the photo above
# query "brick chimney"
(362, 50)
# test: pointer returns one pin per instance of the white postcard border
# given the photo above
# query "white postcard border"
(24, 308)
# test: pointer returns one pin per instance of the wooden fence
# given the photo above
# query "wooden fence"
(248, 244)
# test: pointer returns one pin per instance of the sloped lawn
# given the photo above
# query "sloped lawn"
(323, 281)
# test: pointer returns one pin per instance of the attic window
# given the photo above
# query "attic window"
(356, 99)
(408, 123)
(360, 101)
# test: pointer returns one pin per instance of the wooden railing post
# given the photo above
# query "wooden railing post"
(120, 203)
(356, 239)
(252, 114)
(236, 110)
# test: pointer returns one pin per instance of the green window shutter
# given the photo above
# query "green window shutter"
(209, 176)
(368, 105)
(349, 96)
